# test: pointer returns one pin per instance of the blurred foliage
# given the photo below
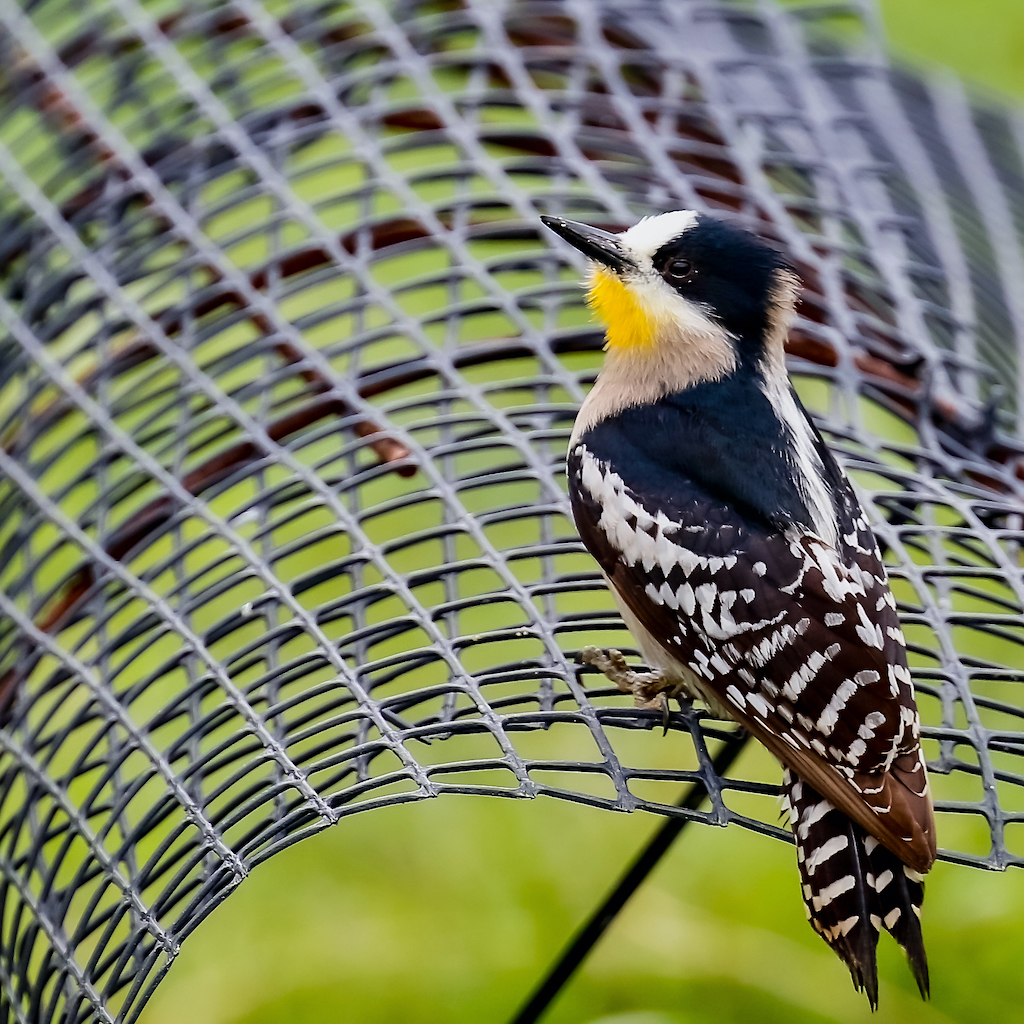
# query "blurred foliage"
(449, 910)
(983, 40)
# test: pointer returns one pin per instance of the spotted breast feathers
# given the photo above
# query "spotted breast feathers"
(797, 638)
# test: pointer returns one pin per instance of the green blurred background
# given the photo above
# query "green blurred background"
(450, 910)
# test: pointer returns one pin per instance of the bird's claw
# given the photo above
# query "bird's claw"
(650, 689)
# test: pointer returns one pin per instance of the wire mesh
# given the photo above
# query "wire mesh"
(287, 371)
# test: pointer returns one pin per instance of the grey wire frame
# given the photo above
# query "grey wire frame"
(287, 370)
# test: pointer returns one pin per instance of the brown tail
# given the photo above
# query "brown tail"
(853, 887)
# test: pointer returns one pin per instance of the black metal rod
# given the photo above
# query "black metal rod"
(587, 937)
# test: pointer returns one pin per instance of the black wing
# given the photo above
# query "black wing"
(799, 640)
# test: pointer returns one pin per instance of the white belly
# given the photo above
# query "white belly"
(674, 671)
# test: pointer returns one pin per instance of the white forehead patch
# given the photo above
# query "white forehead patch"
(644, 239)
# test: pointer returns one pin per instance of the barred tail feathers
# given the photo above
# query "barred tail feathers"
(900, 891)
(853, 887)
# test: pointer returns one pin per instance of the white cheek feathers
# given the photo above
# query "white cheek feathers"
(639, 308)
(658, 342)
(642, 311)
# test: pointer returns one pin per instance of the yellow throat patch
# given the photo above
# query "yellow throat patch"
(629, 324)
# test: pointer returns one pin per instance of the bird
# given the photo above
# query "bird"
(744, 565)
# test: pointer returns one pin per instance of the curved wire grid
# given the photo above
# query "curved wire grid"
(287, 370)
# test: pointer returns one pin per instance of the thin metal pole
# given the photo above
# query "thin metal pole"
(587, 937)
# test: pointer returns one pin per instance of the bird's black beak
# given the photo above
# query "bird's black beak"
(592, 242)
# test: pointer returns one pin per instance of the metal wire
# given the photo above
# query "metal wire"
(287, 369)
(646, 860)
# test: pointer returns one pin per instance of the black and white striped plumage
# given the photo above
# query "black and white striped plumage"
(744, 565)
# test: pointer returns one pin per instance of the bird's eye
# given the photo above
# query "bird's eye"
(679, 270)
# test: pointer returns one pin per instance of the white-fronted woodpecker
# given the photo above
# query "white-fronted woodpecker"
(744, 565)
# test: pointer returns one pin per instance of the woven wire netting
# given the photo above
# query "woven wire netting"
(287, 371)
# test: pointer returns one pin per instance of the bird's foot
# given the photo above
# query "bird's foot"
(651, 690)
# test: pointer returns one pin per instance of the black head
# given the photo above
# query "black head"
(730, 272)
(723, 271)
